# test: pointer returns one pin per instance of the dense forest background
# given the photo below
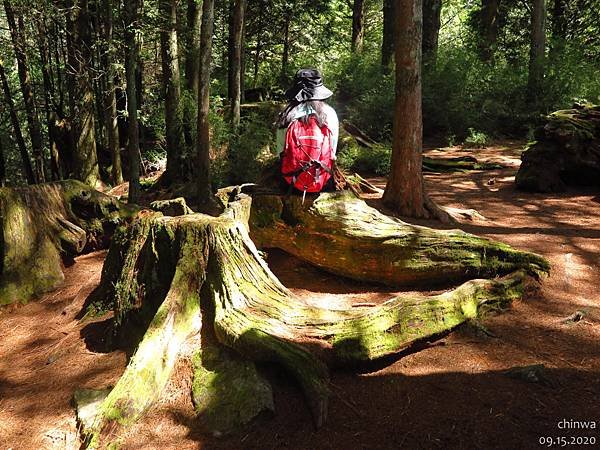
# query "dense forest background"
(103, 91)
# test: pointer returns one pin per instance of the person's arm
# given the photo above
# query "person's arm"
(333, 124)
(280, 139)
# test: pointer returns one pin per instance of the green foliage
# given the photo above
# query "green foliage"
(476, 139)
(252, 149)
(371, 161)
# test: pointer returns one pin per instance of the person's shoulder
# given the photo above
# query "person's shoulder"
(329, 110)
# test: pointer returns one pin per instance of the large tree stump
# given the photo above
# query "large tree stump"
(176, 276)
(566, 152)
(45, 224)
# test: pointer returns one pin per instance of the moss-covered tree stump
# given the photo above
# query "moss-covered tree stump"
(45, 225)
(566, 152)
(194, 275)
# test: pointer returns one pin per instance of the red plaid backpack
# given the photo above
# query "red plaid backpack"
(306, 163)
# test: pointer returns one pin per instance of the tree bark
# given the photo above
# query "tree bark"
(537, 51)
(132, 9)
(17, 30)
(192, 61)
(432, 12)
(211, 276)
(285, 56)
(405, 190)
(110, 100)
(389, 34)
(489, 29)
(172, 92)
(27, 168)
(559, 26)
(203, 130)
(85, 160)
(236, 60)
(358, 26)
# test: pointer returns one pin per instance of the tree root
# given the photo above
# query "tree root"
(177, 270)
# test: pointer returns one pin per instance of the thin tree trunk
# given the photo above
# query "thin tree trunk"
(559, 26)
(236, 60)
(285, 57)
(172, 90)
(110, 100)
(358, 26)
(132, 8)
(17, 29)
(387, 44)
(432, 11)
(489, 29)
(49, 103)
(29, 176)
(203, 130)
(243, 62)
(192, 61)
(537, 50)
(258, 49)
(2, 166)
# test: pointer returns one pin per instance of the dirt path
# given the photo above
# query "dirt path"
(452, 393)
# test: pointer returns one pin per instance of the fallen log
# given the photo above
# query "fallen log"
(173, 277)
(45, 225)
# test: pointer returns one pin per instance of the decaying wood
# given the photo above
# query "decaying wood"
(44, 224)
(176, 276)
(566, 152)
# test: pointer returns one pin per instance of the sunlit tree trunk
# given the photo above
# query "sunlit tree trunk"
(387, 44)
(358, 25)
(29, 176)
(132, 10)
(172, 90)
(203, 130)
(404, 191)
(236, 60)
(17, 29)
(537, 49)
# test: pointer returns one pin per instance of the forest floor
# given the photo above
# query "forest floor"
(449, 393)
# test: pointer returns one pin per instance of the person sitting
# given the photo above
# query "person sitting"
(307, 134)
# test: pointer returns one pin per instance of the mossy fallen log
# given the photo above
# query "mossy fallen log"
(172, 276)
(343, 235)
(566, 152)
(46, 224)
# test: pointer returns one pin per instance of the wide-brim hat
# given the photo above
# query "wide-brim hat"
(308, 85)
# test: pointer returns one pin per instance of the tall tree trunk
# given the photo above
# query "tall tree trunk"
(358, 26)
(17, 29)
(132, 9)
(49, 102)
(559, 26)
(203, 129)
(236, 60)
(258, 48)
(537, 50)
(85, 161)
(172, 91)
(2, 166)
(432, 11)
(29, 175)
(405, 189)
(243, 62)
(192, 60)
(387, 44)
(285, 57)
(110, 100)
(489, 29)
